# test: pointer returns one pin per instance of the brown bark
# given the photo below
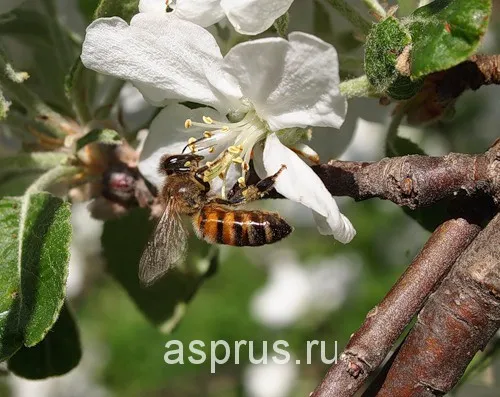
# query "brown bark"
(415, 181)
(384, 324)
(457, 321)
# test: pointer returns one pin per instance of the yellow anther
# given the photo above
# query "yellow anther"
(207, 134)
(188, 123)
(245, 166)
(240, 147)
(208, 163)
(241, 181)
(222, 175)
(238, 160)
(191, 140)
(235, 149)
(211, 149)
(225, 128)
(207, 120)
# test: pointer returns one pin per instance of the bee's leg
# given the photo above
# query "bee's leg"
(254, 192)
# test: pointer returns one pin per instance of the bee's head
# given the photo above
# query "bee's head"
(179, 163)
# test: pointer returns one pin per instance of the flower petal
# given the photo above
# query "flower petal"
(152, 6)
(168, 135)
(254, 16)
(200, 12)
(301, 184)
(291, 83)
(165, 57)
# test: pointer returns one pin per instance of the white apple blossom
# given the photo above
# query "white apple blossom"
(248, 17)
(270, 90)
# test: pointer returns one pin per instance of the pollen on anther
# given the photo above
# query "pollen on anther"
(238, 160)
(241, 181)
(188, 123)
(207, 120)
(191, 140)
(207, 134)
(225, 128)
(235, 149)
(211, 149)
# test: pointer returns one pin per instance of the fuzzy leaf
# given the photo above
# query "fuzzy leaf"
(35, 234)
(445, 33)
(105, 136)
(164, 302)
(124, 9)
(29, 162)
(58, 353)
(386, 43)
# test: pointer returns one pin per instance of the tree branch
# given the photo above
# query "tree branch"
(384, 324)
(458, 320)
(415, 181)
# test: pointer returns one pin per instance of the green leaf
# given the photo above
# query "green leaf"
(445, 33)
(163, 303)
(87, 7)
(105, 136)
(35, 234)
(281, 24)
(25, 22)
(29, 162)
(58, 353)
(17, 183)
(386, 45)
(399, 146)
(124, 9)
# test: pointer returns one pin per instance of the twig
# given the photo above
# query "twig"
(351, 14)
(383, 325)
(458, 320)
(415, 181)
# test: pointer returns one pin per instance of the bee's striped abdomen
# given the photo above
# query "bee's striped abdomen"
(221, 225)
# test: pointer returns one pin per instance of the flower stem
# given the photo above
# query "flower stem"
(376, 8)
(351, 14)
(392, 131)
(12, 82)
(358, 87)
(50, 177)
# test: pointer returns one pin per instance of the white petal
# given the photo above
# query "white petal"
(254, 16)
(152, 6)
(168, 135)
(200, 12)
(299, 183)
(165, 57)
(291, 83)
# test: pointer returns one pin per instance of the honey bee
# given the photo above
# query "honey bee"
(214, 219)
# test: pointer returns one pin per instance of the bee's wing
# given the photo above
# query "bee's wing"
(166, 247)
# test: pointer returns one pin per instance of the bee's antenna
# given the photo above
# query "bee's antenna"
(192, 143)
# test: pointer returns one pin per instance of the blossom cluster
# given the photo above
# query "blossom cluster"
(260, 100)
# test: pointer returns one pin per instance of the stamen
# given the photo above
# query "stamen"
(191, 140)
(225, 128)
(238, 160)
(208, 134)
(241, 181)
(207, 120)
(211, 149)
(235, 149)
(188, 123)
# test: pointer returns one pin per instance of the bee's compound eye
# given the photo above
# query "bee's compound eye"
(178, 163)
